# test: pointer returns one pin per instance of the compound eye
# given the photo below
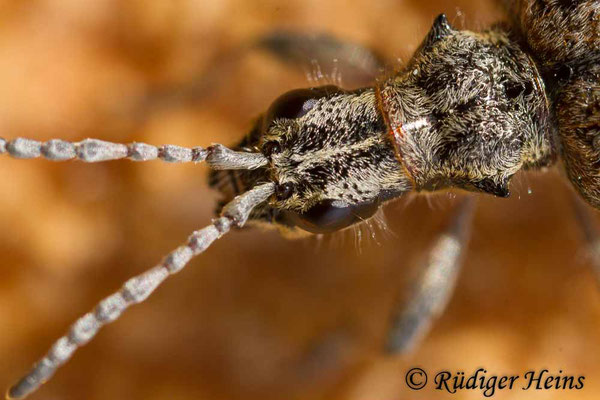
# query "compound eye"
(297, 103)
(271, 148)
(332, 215)
(284, 191)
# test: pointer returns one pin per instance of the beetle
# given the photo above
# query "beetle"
(494, 186)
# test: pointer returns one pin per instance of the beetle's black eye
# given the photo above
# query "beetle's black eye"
(270, 148)
(332, 215)
(514, 89)
(563, 74)
(297, 103)
(284, 190)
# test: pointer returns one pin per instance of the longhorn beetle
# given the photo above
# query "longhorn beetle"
(467, 111)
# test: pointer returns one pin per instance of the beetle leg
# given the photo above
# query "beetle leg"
(589, 230)
(358, 65)
(434, 285)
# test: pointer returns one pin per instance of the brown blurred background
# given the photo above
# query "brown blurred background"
(257, 316)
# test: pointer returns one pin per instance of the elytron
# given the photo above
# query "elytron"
(467, 111)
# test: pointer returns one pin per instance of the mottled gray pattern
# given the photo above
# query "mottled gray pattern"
(468, 111)
(220, 157)
(95, 150)
(564, 35)
(339, 150)
(558, 31)
(58, 150)
(578, 112)
(24, 148)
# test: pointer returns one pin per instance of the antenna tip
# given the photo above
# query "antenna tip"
(24, 387)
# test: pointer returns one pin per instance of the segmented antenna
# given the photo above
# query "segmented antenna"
(95, 150)
(138, 288)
